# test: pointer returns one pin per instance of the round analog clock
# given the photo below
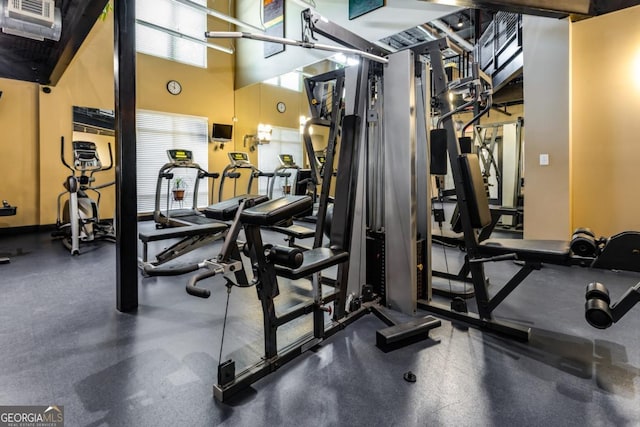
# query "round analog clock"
(281, 106)
(174, 87)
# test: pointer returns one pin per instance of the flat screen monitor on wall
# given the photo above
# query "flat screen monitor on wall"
(222, 133)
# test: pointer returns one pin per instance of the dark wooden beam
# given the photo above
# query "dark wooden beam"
(126, 194)
(78, 20)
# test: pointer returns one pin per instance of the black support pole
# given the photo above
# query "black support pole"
(126, 197)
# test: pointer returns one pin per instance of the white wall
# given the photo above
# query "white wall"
(396, 16)
(547, 121)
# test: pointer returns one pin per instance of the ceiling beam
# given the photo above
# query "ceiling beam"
(552, 8)
(78, 21)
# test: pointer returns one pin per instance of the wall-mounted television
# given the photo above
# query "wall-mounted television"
(222, 133)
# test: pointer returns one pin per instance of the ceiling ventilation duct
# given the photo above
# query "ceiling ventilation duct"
(34, 19)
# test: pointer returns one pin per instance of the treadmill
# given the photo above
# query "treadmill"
(170, 217)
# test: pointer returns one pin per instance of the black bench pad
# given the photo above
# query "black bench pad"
(226, 210)
(315, 260)
(276, 210)
(549, 251)
(180, 232)
(297, 231)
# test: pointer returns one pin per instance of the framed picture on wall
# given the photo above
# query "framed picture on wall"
(273, 12)
(360, 7)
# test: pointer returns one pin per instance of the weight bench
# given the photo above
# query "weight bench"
(192, 237)
(226, 210)
(534, 251)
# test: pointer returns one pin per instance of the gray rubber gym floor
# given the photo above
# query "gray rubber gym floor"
(63, 342)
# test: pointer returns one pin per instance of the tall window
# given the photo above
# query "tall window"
(283, 141)
(177, 17)
(290, 81)
(158, 132)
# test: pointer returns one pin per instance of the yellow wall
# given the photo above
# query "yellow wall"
(605, 122)
(18, 151)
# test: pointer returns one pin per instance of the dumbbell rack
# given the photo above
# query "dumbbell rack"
(6, 210)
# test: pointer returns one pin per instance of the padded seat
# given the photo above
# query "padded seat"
(276, 210)
(315, 260)
(549, 251)
(226, 210)
(179, 232)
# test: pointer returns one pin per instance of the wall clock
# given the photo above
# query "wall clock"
(281, 106)
(174, 87)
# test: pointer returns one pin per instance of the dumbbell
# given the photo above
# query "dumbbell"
(597, 309)
(584, 243)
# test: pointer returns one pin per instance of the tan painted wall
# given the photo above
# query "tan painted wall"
(605, 122)
(18, 150)
(33, 121)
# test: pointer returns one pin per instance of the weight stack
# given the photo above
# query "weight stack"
(375, 264)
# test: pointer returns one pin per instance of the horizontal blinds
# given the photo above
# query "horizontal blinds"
(158, 132)
(283, 141)
(177, 17)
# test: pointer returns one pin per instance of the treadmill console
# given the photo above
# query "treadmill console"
(85, 156)
(286, 160)
(180, 157)
(239, 159)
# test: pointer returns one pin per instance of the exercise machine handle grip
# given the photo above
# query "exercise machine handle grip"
(198, 292)
(64, 161)
(110, 159)
(214, 175)
(258, 174)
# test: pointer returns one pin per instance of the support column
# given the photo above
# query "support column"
(546, 130)
(126, 194)
(400, 182)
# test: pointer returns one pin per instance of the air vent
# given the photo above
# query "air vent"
(34, 11)
(34, 19)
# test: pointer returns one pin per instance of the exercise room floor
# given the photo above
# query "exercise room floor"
(63, 342)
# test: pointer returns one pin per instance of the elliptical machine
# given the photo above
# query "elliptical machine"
(80, 216)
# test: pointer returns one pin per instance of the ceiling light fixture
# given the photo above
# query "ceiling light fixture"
(460, 22)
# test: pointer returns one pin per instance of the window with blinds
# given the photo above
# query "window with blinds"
(283, 141)
(158, 132)
(177, 17)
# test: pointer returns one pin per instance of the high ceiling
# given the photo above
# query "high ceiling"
(45, 61)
